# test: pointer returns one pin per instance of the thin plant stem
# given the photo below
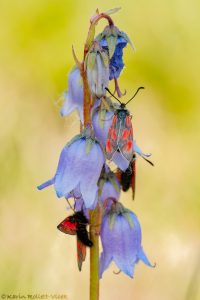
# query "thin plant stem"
(95, 215)
(94, 255)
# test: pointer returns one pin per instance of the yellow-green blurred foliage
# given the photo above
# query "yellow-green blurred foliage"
(35, 56)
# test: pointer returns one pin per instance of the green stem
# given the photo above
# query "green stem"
(94, 255)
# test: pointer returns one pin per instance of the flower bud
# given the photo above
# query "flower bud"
(97, 66)
(109, 186)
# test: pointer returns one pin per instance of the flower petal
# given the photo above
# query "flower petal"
(69, 169)
(74, 97)
(91, 170)
(68, 105)
(142, 256)
(120, 161)
(46, 184)
(137, 149)
(89, 192)
(105, 261)
(101, 133)
(109, 191)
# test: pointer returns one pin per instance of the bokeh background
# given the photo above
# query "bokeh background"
(35, 57)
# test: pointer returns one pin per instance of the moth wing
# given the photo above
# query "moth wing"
(125, 142)
(118, 174)
(81, 253)
(133, 179)
(68, 227)
(111, 142)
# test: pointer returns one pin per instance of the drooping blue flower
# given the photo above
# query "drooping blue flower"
(73, 99)
(121, 240)
(113, 40)
(79, 167)
(116, 63)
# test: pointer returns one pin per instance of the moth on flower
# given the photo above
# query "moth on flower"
(76, 225)
(120, 134)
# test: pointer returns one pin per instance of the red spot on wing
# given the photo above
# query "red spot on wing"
(113, 134)
(129, 146)
(69, 225)
(109, 147)
(128, 121)
(114, 121)
(125, 134)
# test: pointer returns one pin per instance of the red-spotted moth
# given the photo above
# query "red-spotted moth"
(120, 133)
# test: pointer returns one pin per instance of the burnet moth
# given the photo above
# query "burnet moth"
(76, 225)
(120, 133)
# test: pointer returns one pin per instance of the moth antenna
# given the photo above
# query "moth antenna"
(150, 162)
(70, 205)
(141, 87)
(112, 95)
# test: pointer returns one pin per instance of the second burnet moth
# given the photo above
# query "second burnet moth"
(128, 177)
(76, 224)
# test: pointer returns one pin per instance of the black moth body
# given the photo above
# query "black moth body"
(76, 224)
(81, 230)
(126, 179)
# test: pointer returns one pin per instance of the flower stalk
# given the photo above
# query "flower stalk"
(94, 214)
(95, 218)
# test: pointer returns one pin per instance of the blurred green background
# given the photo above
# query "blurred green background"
(35, 57)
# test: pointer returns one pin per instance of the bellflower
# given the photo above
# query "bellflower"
(79, 167)
(113, 40)
(121, 240)
(74, 97)
(97, 67)
(102, 119)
